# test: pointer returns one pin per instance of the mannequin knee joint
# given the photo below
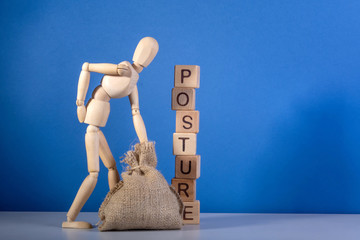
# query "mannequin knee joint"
(94, 174)
(92, 129)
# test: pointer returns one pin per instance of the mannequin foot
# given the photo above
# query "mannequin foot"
(76, 224)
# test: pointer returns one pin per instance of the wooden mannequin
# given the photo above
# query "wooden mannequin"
(119, 81)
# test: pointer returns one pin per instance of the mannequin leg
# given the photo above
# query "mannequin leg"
(88, 185)
(108, 160)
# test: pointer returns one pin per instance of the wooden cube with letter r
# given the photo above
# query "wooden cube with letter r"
(186, 188)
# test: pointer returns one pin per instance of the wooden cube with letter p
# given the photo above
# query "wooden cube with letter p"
(184, 144)
(186, 188)
(187, 76)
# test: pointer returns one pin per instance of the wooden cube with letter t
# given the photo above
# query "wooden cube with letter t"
(184, 143)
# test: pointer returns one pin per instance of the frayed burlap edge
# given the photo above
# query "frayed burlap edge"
(145, 146)
(131, 159)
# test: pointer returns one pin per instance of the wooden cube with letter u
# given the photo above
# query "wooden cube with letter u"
(187, 167)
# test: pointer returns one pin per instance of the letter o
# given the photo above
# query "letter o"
(180, 99)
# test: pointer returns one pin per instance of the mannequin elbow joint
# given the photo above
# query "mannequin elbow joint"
(135, 111)
(85, 66)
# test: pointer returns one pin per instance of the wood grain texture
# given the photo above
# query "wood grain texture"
(186, 188)
(187, 167)
(184, 144)
(187, 76)
(183, 99)
(187, 121)
(191, 214)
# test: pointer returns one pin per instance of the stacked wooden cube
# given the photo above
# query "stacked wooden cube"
(187, 163)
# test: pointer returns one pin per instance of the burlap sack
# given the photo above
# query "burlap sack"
(143, 199)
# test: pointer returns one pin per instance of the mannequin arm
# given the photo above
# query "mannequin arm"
(104, 68)
(137, 119)
(120, 69)
(83, 86)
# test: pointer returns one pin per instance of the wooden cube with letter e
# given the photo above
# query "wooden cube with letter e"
(191, 214)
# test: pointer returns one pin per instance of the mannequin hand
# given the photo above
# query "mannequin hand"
(123, 69)
(81, 110)
(81, 113)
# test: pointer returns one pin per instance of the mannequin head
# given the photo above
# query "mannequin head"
(145, 51)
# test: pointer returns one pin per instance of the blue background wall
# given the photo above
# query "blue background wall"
(279, 99)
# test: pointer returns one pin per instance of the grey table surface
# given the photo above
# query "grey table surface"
(47, 225)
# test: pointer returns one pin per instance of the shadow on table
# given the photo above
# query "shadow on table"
(241, 220)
